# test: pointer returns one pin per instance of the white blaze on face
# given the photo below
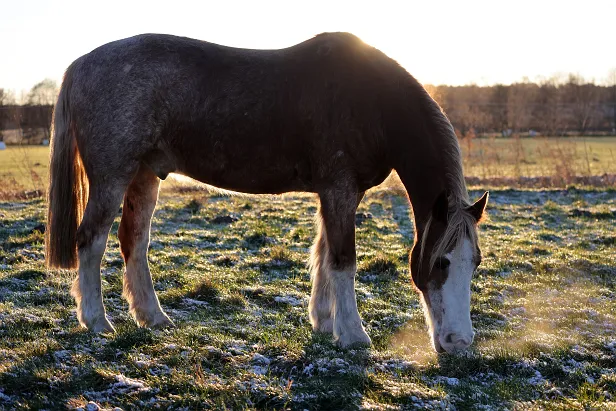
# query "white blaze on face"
(450, 306)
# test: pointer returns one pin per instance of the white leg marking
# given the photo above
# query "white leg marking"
(138, 287)
(140, 294)
(87, 289)
(321, 304)
(348, 328)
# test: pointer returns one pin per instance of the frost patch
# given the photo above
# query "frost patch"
(92, 406)
(289, 299)
(331, 365)
(260, 370)
(440, 379)
(261, 359)
(4, 397)
(129, 383)
(193, 302)
(122, 386)
(63, 355)
(395, 365)
(237, 348)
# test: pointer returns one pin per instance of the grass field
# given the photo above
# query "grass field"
(531, 157)
(25, 168)
(544, 309)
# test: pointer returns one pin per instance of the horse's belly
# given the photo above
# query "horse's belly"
(253, 178)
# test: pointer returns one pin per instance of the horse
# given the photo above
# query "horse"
(331, 115)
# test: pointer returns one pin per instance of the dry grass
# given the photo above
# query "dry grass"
(560, 160)
(23, 171)
(495, 162)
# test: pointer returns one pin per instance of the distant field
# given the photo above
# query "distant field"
(532, 157)
(26, 167)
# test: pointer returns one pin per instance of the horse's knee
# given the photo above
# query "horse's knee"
(85, 236)
(342, 261)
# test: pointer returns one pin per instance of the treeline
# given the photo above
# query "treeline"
(28, 123)
(26, 118)
(557, 106)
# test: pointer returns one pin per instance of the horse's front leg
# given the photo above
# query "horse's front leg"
(134, 234)
(338, 206)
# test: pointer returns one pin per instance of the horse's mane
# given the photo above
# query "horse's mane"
(460, 223)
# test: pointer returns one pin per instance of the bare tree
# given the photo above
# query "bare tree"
(555, 105)
(549, 113)
(467, 108)
(583, 98)
(498, 106)
(44, 93)
(6, 97)
(611, 82)
(43, 96)
(519, 105)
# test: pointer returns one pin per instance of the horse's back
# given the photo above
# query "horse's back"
(248, 120)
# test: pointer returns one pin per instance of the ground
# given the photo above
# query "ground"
(231, 272)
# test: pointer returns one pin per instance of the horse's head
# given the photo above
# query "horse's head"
(444, 257)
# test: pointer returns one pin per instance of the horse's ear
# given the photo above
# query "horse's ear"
(477, 209)
(440, 210)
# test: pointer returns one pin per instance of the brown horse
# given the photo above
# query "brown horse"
(331, 115)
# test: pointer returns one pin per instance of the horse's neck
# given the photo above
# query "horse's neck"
(426, 151)
(427, 169)
(423, 187)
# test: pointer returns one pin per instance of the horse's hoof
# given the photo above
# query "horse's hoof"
(152, 318)
(102, 326)
(354, 338)
(162, 322)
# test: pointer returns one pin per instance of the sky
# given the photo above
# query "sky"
(439, 42)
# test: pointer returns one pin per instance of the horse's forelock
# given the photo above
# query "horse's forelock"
(460, 225)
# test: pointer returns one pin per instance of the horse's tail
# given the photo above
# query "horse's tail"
(68, 185)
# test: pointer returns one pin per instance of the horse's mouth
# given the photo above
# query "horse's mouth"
(438, 347)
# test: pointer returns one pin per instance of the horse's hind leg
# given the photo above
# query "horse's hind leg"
(338, 206)
(105, 195)
(321, 306)
(134, 234)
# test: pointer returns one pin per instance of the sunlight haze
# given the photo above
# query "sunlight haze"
(447, 42)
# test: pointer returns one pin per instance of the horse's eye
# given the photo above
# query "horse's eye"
(442, 263)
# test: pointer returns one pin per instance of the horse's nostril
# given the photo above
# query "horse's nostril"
(458, 339)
